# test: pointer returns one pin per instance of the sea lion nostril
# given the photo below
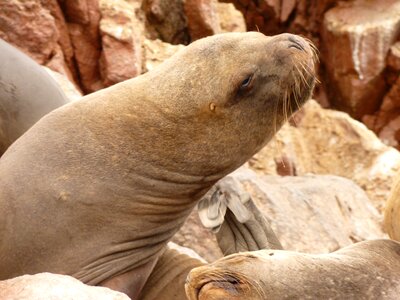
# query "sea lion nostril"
(296, 43)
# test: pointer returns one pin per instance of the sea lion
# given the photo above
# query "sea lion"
(366, 270)
(27, 93)
(97, 188)
(392, 211)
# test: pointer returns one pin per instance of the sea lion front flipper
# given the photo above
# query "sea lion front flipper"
(243, 227)
(167, 280)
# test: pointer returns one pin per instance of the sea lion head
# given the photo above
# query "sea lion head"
(231, 92)
(364, 270)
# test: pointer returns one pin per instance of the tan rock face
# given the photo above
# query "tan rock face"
(356, 39)
(55, 287)
(322, 141)
(313, 213)
(202, 18)
(166, 20)
(121, 44)
(230, 19)
(156, 51)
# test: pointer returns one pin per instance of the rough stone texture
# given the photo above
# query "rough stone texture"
(156, 51)
(71, 91)
(386, 122)
(276, 16)
(165, 19)
(230, 19)
(356, 39)
(322, 141)
(61, 63)
(31, 27)
(313, 213)
(54, 287)
(83, 18)
(393, 63)
(202, 18)
(193, 235)
(121, 44)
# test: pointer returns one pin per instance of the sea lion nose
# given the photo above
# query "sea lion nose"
(296, 42)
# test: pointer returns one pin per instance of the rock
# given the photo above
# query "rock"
(71, 91)
(193, 235)
(54, 287)
(202, 18)
(386, 122)
(156, 51)
(83, 18)
(121, 44)
(322, 141)
(356, 39)
(166, 20)
(393, 63)
(314, 213)
(64, 63)
(187, 251)
(30, 26)
(311, 213)
(230, 19)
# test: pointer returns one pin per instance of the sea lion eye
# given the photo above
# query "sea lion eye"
(245, 83)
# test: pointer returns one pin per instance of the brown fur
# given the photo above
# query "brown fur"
(96, 188)
(366, 270)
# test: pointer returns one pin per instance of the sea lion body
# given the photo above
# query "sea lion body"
(27, 93)
(96, 188)
(366, 270)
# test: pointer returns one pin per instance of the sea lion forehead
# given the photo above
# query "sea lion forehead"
(230, 41)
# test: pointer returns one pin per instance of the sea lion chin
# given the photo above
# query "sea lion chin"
(97, 188)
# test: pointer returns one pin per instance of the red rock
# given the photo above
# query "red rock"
(83, 19)
(202, 18)
(121, 56)
(393, 64)
(30, 27)
(67, 66)
(287, 8)
(356, 38)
